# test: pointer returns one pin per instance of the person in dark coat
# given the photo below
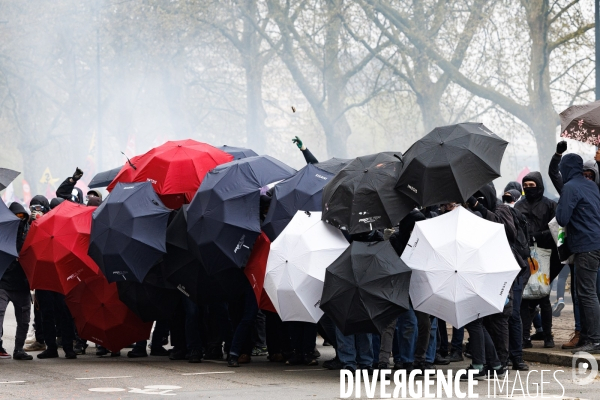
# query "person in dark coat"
(579, 210)
(55, 202)
(539, 211)
(308, 156)
(67, 189)
(14, 288)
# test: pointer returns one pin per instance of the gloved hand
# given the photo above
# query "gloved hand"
(387, 232)
(561, 147)
(77, 174)
(472, 201)
(298, 143)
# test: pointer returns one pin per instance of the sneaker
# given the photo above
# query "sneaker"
(588, 348)
(549, 342)
(21, 355)
(30, 336)
(527, 344)
(519, 365)
(382, 365)
(479, 375)
(80, 348)
(538, 336)
(259, 351)
(70, 354)
(159, 351)
(3, 353)
(573, 340)
(101, 351)
(492, 373)
(137, 353)
(456, 356)
(177, 355)
(35, 346)
(195, 356)
(333, 364)
(439, 360)
(48, 353)
(558, 307)
(233, 362)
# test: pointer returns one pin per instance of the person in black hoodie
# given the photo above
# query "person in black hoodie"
(539, 211)
(67, 189)
(14, 288)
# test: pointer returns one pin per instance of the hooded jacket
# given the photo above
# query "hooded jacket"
(492, 211)
(513, 185)
(65, 190)
(579, 207)
(538, 210)
(590, 165)
(14, 278)
(555, 175)
(42, 201)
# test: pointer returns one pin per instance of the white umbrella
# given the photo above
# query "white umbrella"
(297, 263)
(463, 267)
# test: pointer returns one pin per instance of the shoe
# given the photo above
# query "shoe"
(316, 353)
(456, 356)
(177, 355)
(101, 351)
(259, 351)
(382, 365)
(159, 351)
(479, 375)
(295, 360)
(70, 354)
(3, 353)
(333, 364)
(408, 367)
(369, 370)
(244, 359)
(439, 360)
(35, 346)
(115, 353)
(349, 368)
(311, 362)
(214, 353)
(80, 348)
(423, 366)
(549, 342)
(519, 365)
(527, 344)
(21, 355)
(326, 343)
(537, 336)
(573, 340)
(277, 357)
(195, 356)
(558, 307)
(30, 337)
(588, 348)
(509, 363)
(493, 373)
(48, 353)
(137, 353)
(233, 362)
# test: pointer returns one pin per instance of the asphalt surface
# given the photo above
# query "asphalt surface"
(122, 378)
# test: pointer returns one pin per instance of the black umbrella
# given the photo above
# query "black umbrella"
(9, 227)
(451, 163)
(361, 197)
(224, 216)
(238, 152)
(186, 273)
(6, 177)
(303, 191)
(128, 232)
(333, 165)
(154, 299)
(103, 179)
(366, 288)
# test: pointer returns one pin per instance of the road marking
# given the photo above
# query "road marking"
(207, 373)
(107, 390)
(13, 382)
(105, 377)
(305, 370)
(162, 387)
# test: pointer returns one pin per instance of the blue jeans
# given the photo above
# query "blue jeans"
(515, 325)
(561, 282)
(354, 351)
(242, 331)
(192, 324)
(432, 347)
(407, 337)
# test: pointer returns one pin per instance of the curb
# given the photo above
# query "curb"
(562, 358)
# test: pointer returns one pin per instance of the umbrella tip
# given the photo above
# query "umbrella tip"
(366, 170)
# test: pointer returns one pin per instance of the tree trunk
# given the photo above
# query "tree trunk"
(255, 112)
(544, 131)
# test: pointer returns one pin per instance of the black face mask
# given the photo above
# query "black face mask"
(507, 198)
(533, 193)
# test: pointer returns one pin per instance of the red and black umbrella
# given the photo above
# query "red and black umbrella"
(255, 271)
(175, 169)
(102, 318)
(55, 253)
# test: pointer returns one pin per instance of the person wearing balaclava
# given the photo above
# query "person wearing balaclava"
(67, 189)
(539, 211)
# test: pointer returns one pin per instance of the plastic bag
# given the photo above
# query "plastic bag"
(538, 284)
(559, 234)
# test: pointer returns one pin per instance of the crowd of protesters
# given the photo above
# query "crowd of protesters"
(237, 331)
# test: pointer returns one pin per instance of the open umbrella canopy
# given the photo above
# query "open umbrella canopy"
(366, 288)
(175, 169)
(450, 163)
(361, 197)
(224, 216)
(303, 191)
(128, 232)
(581, 123)
(6, 177)
(9, 227)
(296, 266)
(462, 267)
(104, 178)
(238, 152)
(54, 255)
(333, 165)
(102, 318)
(255, 271)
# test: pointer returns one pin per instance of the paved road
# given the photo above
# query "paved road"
(121, 378)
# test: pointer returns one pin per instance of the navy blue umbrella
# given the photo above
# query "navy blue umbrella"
(303, 191)
(238, 152)
(104, 178)
(128, 232)
(224, 215)
(9, 226)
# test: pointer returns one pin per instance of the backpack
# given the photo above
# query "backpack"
(521, 243)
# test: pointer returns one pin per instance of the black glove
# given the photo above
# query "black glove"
(471, 201)
(78, 174)
(561, 147)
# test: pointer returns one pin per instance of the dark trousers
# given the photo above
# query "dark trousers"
(38, 326)
(304, 338)
(586, 276)
(515, 324)
(481, 346)
(424, 331)
(528, 312)
(458, 335)
(241, 343)
(54, 310)
(497, 326)
(193, 318)
(259, 330)
(278, 337)
(326, 329)
(21, 300)
(161, 330)
(220, 329)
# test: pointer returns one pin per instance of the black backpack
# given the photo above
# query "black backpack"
(521, 243)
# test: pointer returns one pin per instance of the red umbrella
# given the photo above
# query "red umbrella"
(175, 169)
(256, 269)
(55, 253)
(102, 318)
